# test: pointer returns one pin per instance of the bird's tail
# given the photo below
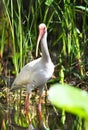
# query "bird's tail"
(14, 87)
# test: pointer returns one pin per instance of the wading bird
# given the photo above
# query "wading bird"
(38, 72)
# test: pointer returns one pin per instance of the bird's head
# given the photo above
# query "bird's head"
(42, 32)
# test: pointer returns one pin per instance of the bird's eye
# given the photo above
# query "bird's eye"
(44, 28)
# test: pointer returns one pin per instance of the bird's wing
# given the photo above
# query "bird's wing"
(25, 76)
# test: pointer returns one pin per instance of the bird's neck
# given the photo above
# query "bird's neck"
(44, 49)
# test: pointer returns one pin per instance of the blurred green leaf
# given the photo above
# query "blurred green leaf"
(86, 1)
(70, 99)
(82, 8)
(48, 2)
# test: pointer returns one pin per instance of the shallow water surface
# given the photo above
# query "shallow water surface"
(13, 115)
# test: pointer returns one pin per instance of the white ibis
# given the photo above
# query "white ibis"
(38, 72)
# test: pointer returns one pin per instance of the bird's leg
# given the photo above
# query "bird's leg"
(27, 103)
(39, 108)
(27, 106)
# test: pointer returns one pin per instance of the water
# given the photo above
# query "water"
(13, 116)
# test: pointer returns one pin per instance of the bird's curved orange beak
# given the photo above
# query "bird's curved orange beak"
(41, 32)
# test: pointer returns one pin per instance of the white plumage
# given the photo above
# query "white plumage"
(34, 74)
(38, 72)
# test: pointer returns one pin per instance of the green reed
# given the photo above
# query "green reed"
(73, 48)
(2, 40)
(19, 39)
(24, 38)
(56, 18)
(2, 44)
(70, 38)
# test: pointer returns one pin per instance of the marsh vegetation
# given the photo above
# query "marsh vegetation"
(67, 23)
